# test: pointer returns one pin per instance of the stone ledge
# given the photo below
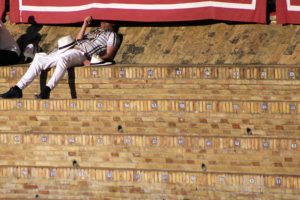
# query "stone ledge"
(178, 106)
(181, 141)
(154, 176)
(206, 72)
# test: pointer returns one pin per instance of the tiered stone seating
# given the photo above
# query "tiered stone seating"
(154, 132)
(205, 83)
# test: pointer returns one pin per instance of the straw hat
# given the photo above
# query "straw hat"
(96, 60)
(65, 43)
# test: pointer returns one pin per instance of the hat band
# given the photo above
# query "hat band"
(66, 45)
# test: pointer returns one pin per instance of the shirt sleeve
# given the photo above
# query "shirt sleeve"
(112, 40)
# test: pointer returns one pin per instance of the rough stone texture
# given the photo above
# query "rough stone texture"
(218, 43)
(182, 132)
(201, 43)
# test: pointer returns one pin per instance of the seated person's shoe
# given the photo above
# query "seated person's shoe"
(45, 93)
(12, 93)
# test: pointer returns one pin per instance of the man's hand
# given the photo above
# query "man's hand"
(88, 20)
(86, 63)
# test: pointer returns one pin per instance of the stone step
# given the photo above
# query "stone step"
(291, 108)
(155, 90)
(261, 155)
(139, 71)
(187, 131)
(161, 117)
(262, 99)
(201, 82)
(97, 183)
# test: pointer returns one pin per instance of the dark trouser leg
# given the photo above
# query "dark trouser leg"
(8, 57)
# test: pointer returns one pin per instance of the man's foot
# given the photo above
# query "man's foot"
(12, 93)
(45, 93)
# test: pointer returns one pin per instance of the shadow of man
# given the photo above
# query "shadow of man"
(32, 36)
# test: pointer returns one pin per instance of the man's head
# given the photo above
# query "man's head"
(108, 25)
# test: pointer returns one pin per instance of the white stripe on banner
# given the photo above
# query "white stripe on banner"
(202, 4)
(290, 7)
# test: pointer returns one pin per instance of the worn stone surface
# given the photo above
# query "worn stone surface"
(199, 43)
(151, 131)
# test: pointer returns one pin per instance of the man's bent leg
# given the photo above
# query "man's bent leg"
(70, 58)
(39, 63)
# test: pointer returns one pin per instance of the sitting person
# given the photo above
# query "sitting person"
(103, 41)
(9, 49)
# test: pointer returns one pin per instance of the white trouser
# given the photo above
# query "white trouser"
(42, 61)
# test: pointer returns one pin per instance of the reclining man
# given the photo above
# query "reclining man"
(103, 42)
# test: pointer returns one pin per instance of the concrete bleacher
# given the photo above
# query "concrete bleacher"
(154, 132)
(193, 111)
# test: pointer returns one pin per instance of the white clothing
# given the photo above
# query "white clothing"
(7, 42)
(42, 61)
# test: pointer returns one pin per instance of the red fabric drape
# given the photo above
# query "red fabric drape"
(2, 8)
(71, 11)
(288, 11)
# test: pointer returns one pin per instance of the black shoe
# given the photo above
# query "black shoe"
(45, 93)
(12, 93)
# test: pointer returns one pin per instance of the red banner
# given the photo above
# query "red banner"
(2, 8)
(71, 11)
(288, 11)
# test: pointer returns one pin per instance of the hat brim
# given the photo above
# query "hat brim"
(102, 63)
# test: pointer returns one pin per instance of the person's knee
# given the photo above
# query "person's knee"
(64, 62)
(39, 56)
(38, 59)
